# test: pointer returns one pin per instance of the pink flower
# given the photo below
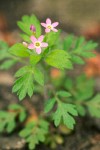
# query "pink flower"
(37, 44)
(32, 28)
(50, 26)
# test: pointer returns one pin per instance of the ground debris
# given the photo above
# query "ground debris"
(12, 143)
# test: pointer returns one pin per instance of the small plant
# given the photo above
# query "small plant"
(9, 119)
(38, 54)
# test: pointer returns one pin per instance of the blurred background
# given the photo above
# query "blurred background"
(72, 14)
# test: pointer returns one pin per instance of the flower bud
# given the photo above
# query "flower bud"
(32, 28)
(25, 44)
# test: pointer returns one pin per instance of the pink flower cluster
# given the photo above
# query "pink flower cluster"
(37, 44)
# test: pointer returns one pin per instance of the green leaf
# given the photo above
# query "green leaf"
(39, 76)
(7, 61)
(20, 109)
(77, 60)
(24, 84)
(4, 50)
(79, 48)
(2, 126)
(7, 121)
(67, 43)
(19, 50)
(90, 45)
(11, 126)
(34, 59)
(52, 37)
(94, 106)
(59, 59)
(25, 132)
(68, 84)
(64, 113)
(25, 37)
(63, 94)
(7, 64)
(79, 42)
(34, 133)
(88, 54)
(84, 48)
(81, 110)
(84, 88)
(24, 25)
(22, 71)
(49, 104)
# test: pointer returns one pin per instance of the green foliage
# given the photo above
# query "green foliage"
(39, 76)
(20, 110)
(7, 121)
(79, 48)
(25, 83)
(68, 42)
(8, 118)
(35, 132)
(6, 59)
(34, 59)
(82, 89)
(49, 104)
(52, 38)
(94, 106)
(19, 50)
(24, 25)
(7, 64)
(64, 111)
(63, 94)
(3, 50)
(59, 59)
(81, 109)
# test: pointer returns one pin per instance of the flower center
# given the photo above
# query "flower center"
(37, 44)
(49, 27)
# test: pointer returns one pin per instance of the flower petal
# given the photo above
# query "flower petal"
(31, 46)
(40, 39)
(55, 24)
(47, 30)
(48, 21)
(43, 24)
(38, 50)
(43, 44)
(55, 30)
(33, 39)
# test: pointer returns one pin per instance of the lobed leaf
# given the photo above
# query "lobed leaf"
(38, 76)
(19, 50)
(64, 113)
(49, 104)
(59, 59)
(94, 106)
(24, 25)
(63, 94)
(35, 133)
